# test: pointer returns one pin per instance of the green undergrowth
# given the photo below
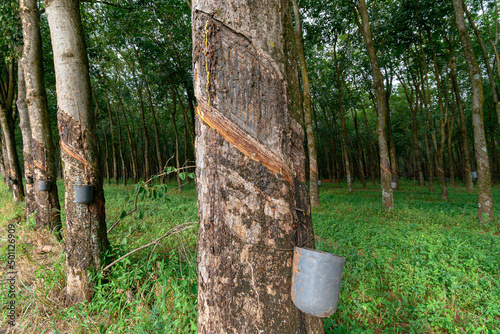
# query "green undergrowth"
(429, 267)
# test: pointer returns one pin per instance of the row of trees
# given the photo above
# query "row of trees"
(421, 56)
(141, 83)
(384, 95)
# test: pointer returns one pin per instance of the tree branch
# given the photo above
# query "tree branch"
(108, 3)
(175, 230)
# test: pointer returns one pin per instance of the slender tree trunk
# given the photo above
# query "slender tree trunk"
(153, 115)
(360, 150)
(249, 149)
(24, 124)
(176, 135)
(7, 125)
(469, 186)
(120, 147)
(442, 126)
(483, 165)
(451, 161)
(392, 144)
(132, 147)
(147, 168)
(2, 160)
(342, 118)
(370, 147)
(311, 141)
(86, 238)
(378, 83)
(106, 156)
(113, 145)
(48, 207)
(133, 155)
(491, 78)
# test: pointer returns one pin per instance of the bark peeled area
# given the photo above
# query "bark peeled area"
(253, 204)
(85, 239)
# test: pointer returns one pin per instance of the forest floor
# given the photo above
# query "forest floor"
(429, 267)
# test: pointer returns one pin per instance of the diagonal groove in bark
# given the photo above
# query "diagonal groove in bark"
(245, 143)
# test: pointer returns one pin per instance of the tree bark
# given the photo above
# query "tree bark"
(392, 144)
(451, 160)
(469, 186)
(345, 154)
(48, 206)
(360, 149)
(378, 83)
(483, 165)
(24, 124)
(113, 142)
(442, 128)
(153, 116)
(491, 78)
(311, 141)
(2, 160)
(86, 238)
(253, 203)
(176, 136)
(7, 125)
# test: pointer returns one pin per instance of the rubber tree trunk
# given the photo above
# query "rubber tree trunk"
(360, 149)
(7, 125)
(343, 122)
(86, 239)
(120, 147)
(48, 207)
(24, 124)
(147, 166)
(153, 117)
(390, 137)
(113, 145)
(378, 84)
(253, 203)
(469, 186)
(483, 165)
(489, 70)
(2, 163)
(449, 138)
(176, 136)
(311, 140)
(442, 125)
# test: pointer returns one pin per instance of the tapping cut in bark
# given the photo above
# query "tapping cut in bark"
(253, 203)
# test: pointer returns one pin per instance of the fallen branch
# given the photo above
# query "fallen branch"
(174, 230)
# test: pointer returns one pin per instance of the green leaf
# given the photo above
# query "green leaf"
(124, 213)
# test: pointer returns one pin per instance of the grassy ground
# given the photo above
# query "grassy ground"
(429, 267)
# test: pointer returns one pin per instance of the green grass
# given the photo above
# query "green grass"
(429, 267)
